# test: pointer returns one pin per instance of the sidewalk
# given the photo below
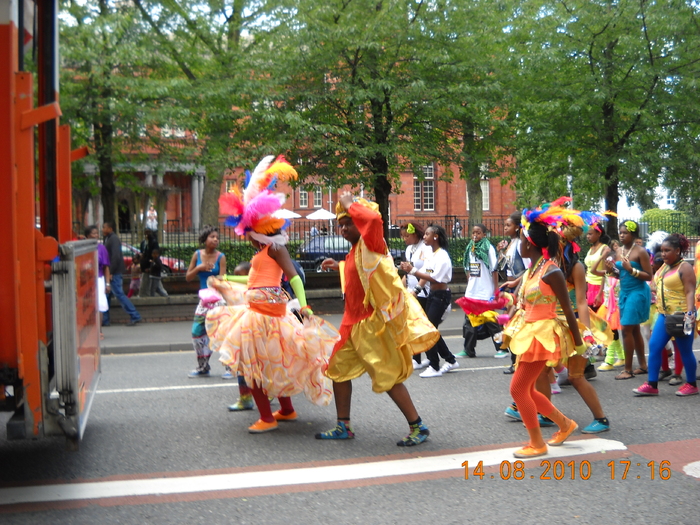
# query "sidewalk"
(175, 336)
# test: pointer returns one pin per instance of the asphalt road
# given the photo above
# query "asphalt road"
(180, 457)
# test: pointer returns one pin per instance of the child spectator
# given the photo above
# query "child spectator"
(155, 271)
(135, 275)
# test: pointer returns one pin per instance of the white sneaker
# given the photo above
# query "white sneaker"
(563, 377)
(431, 372)
(448, 367)
(556, 389)
(422, 364)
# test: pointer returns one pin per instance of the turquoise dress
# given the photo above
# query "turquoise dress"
(635, 297)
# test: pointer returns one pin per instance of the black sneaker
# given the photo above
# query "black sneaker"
(133, 322)
(509, 370)
(590, 372)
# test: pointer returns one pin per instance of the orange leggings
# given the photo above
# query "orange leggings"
(528, 400)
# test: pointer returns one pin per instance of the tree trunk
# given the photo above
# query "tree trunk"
(103, 150)
(209, 209)
(381, 187)
(471, 173)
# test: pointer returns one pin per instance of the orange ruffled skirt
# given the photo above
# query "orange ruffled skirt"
(282, 355)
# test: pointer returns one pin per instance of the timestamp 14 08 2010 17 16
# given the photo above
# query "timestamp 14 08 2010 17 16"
(558, 470)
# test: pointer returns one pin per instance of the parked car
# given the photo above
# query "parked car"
(312, 253)
(170, 264)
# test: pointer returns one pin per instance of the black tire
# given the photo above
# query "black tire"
(167, 272)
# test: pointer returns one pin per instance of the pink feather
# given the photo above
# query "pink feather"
(264, 204)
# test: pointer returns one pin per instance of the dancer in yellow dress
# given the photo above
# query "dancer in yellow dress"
(383, 325)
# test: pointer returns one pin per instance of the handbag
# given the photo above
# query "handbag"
(673, 323)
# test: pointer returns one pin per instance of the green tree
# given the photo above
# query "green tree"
(340, 86)
(605, 93)
(113, 95)
(204, 43)
(670, 221)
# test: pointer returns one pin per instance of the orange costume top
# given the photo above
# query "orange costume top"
(536, 333)
(264, 293)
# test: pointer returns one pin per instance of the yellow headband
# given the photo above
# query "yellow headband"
(410, 228)
(341, 212)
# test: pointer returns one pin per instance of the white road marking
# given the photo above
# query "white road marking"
(162, 388)
(693, 469)
(288, 477)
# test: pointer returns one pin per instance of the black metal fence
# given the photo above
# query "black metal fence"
(181, 244)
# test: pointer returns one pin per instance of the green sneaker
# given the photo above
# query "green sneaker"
(419, 433)
(243, 403)
(461, 354)
(341, 431)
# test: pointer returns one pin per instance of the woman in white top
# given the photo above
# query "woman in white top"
(434, 278)
(416, 254)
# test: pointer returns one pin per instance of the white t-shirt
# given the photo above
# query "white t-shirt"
(417, 254)
(439, 267)
(480, 285)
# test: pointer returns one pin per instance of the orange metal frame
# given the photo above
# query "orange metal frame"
(24, 306)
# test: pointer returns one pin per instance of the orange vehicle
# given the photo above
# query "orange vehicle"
(49, 332)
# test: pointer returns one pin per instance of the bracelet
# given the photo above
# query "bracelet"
(413, 270)
(306, 308)
(417, 290)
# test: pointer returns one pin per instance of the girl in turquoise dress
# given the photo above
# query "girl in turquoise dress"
(633, 269)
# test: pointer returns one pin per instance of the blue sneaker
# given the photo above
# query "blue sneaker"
(227, 375)
(198, 372)
(419, 433)
(341, 431)
(596, 428)
(544, 422)
(513, 413)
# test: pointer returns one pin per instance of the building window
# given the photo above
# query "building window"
(424, 190)
(303, 198)
(318, 198)
(485, 196)
(230, 184)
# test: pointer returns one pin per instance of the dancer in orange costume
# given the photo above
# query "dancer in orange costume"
(257, 335)
(535, 334)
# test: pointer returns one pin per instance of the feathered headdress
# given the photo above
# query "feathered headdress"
(253, 209)
(551, 215)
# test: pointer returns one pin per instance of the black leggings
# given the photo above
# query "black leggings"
(422, 301)
(438, 301)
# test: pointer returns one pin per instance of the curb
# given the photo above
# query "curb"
(186, 346)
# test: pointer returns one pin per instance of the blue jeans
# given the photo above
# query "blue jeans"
(118, 291)
(658, 340)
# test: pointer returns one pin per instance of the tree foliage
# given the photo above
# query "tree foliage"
(116, 97)
(605, 93)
